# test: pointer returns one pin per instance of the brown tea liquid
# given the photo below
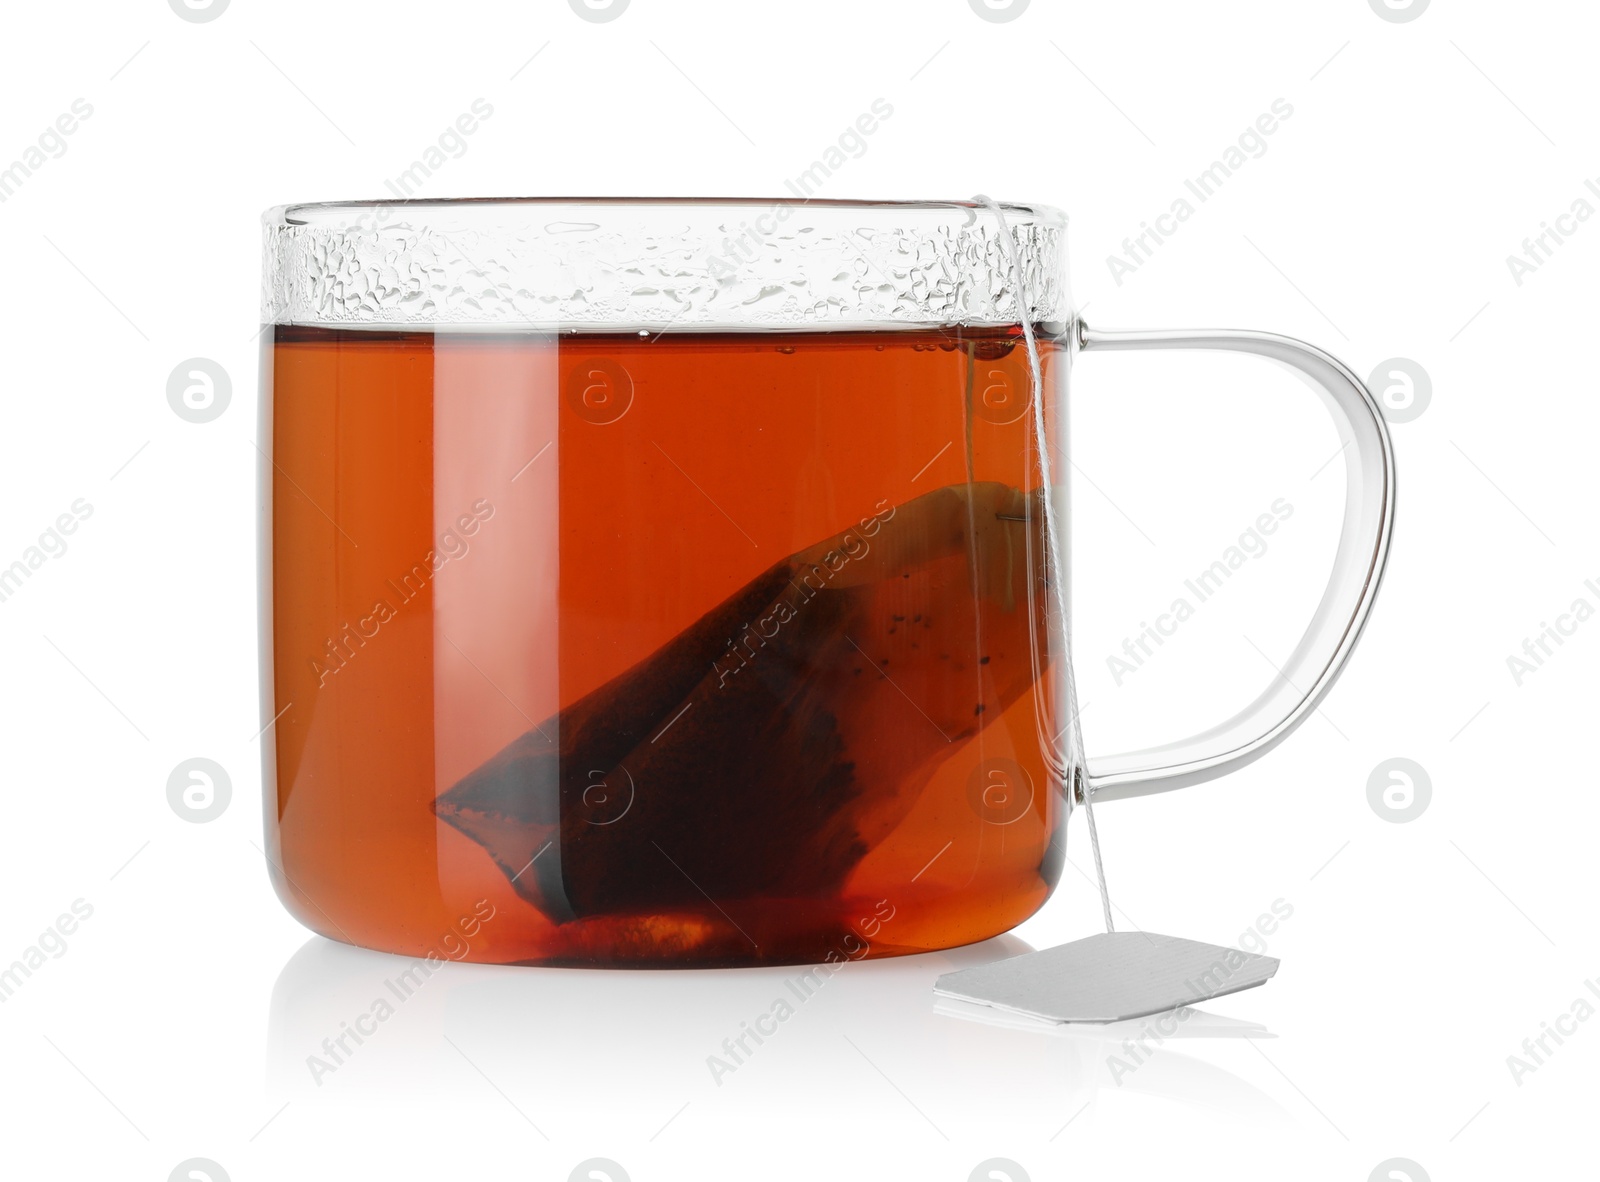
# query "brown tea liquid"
(663, 649)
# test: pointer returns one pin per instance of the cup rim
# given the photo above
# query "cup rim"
(293, 213)
(663, 263)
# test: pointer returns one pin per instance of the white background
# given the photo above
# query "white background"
(1419, 956)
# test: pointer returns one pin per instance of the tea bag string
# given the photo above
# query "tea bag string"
(1057, 580)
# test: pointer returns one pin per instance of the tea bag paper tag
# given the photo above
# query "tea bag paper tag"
(1109, 977)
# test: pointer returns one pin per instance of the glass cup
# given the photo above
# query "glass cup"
(680, 582)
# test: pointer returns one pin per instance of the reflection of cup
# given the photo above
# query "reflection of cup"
(652, 604)
(649, 1042)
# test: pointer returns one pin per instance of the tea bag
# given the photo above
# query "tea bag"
(769, 746)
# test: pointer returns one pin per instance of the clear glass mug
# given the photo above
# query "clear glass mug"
(680, 582)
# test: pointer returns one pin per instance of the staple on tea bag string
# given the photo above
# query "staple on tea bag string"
(1113, 975)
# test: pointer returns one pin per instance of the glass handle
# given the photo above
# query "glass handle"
(1358, 566)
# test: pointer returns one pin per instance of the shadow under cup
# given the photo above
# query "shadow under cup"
(667, 628)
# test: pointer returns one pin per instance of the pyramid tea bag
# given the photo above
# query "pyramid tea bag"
(770, 745)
